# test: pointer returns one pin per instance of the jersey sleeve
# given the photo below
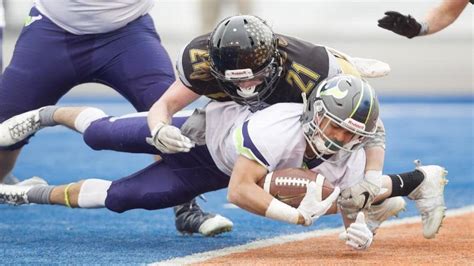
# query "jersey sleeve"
(340, 62)
(272, 137)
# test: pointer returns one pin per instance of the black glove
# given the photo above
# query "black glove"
(400, 24)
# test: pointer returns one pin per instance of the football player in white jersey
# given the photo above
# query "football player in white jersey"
(325, 134)
(110, 42)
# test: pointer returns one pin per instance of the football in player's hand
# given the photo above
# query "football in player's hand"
(289, 185)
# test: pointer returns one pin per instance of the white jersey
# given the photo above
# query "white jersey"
(93, 16)
(272, 137)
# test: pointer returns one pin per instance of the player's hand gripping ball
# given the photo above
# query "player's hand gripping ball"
(289, 185)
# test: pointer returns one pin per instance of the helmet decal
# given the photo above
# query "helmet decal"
(364, 105)
(336, 91)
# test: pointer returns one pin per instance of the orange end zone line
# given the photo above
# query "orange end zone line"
(201, 257)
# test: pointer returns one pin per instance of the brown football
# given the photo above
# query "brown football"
(289, 185)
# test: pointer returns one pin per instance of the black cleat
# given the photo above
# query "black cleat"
(191, 219)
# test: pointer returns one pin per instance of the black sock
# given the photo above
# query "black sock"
(404, 184)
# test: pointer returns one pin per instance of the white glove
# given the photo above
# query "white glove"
(311, 208)
(370, 68)
(358, 234)
(360, 196)
(168, 139)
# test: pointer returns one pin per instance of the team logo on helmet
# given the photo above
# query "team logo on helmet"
(336, 91)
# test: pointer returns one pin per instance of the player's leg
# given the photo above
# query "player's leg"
(141, 71)
(7, 161)
(89, 193)
(21, 127)
(352, 171)
(425, 185)
(135, 63)
(177, 179)
(34, 78)
(127, 133)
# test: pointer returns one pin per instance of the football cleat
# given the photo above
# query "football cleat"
(377, 214)
(19, 127)
(17, 194)
(429, 198)
(33, 181)
(191, 219)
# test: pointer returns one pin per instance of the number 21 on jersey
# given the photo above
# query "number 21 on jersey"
(295, 74)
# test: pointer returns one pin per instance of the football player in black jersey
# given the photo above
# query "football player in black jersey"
(436, 20)
(244, 61)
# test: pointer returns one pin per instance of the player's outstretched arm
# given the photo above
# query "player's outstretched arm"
(247, 194)
(164, 136)
(444, 14)
(436, 19)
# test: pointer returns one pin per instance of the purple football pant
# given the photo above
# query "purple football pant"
(123, 134)
(176, 179)
(48, 61)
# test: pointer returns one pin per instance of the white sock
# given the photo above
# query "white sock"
(93, 193)
(86, 117)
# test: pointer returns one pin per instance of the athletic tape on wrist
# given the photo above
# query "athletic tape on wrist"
(282, 212)
(424, 28)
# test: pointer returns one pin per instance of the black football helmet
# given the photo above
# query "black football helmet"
(242, 50)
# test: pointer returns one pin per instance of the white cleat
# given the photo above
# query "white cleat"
(19, 127)
(215, 225)
(377, 214)
(429, 198)
(17, 194)
(33, 181)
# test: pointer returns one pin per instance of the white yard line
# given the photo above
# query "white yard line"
(200, 257)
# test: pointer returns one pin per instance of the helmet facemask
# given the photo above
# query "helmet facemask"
(316, 133)
(235, 83)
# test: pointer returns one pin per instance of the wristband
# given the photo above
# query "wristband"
(424, 28)
(280, 211)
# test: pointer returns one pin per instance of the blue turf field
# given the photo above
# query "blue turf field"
(436, 130)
